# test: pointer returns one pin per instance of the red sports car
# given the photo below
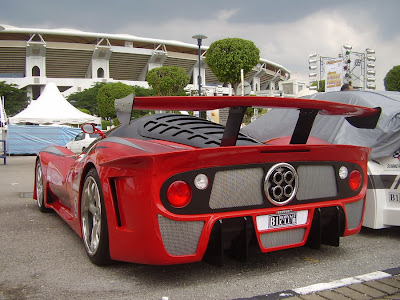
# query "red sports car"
(169, 188)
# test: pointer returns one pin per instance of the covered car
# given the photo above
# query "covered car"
(383, 196)
(170, 188)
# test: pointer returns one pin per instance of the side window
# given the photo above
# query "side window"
(94, 135)
(80, 136)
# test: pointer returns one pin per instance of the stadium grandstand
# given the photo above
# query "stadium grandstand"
(75, 60)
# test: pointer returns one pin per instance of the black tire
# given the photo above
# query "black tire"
(39, 184)
(94, 220)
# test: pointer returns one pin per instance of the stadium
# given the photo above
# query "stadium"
(75, 60)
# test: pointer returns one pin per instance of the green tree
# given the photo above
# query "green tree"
(106, 96)
(85, 111)
(141, 92)
(15, 99)
(87, 99)
(392, 79)
(168, 81)
(227, 57)
(250, 113)
(320, 86)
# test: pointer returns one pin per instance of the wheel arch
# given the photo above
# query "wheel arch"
(102, 254)
(90, 165)
(34, 181)
(45, 206)
(85, 170)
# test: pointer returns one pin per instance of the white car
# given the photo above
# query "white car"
(81, 141)
(382, 208)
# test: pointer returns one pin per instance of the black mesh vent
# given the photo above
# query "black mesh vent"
(181, 129)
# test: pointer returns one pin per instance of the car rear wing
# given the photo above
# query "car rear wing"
(358, 116)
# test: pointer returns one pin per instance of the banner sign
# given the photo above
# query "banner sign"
(333, 75)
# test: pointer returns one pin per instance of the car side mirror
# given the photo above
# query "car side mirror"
(88, 128)
(91, 128)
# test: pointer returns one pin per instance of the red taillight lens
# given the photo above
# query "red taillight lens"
(179, 194)
(355, 180)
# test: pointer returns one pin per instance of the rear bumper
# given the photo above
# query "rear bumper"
(145, 228)
(175, 239)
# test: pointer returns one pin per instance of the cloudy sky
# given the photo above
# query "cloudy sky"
(286, 31)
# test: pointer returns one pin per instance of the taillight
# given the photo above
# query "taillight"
(355, 180)
(179, 194)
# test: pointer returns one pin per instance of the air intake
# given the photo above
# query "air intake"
(187, 130)
(282, 238)
(180, 237)
(354, 212)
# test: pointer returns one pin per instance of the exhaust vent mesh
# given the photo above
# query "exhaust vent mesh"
(354, 212)
(282, 238)
(316, 182)
(180, 237)
(235, 188)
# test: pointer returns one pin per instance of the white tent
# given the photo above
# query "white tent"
(52, 108)
(3, 115)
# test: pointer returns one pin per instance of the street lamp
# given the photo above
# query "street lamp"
(199, 38)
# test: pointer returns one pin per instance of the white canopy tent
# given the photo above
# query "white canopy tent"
(3, 115)
(52, 108)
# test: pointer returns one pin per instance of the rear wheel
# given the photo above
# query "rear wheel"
(94, 220)
(40, 188)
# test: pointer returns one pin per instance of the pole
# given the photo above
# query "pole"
(242, 80)
(200, 37)
(199, 77)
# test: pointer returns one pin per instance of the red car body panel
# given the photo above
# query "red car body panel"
(134, 174)
(210, 103)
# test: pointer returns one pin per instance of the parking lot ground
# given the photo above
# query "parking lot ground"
(376, 285)
(42, 258)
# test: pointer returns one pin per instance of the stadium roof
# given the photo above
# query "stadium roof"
(69, 53)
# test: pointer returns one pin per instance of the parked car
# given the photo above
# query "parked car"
(383, 196)
(170, 188)
(81, 141)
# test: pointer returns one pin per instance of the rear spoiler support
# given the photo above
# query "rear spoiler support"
(303, 126)
(231, 132)
(306, 120)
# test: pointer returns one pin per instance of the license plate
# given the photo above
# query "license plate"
(394, 197)
(283, 219)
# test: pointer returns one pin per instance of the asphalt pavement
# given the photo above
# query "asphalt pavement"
(41, 258)
(377, 285)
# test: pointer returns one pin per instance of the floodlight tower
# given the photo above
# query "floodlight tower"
(370, 72)
(359, 67)
(313, 60)
(316, 67)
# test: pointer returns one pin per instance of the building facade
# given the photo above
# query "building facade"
(75, 60)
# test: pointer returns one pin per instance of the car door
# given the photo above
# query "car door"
(76, 146)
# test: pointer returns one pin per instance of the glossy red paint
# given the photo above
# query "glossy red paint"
(215, 102)
(132, 173)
